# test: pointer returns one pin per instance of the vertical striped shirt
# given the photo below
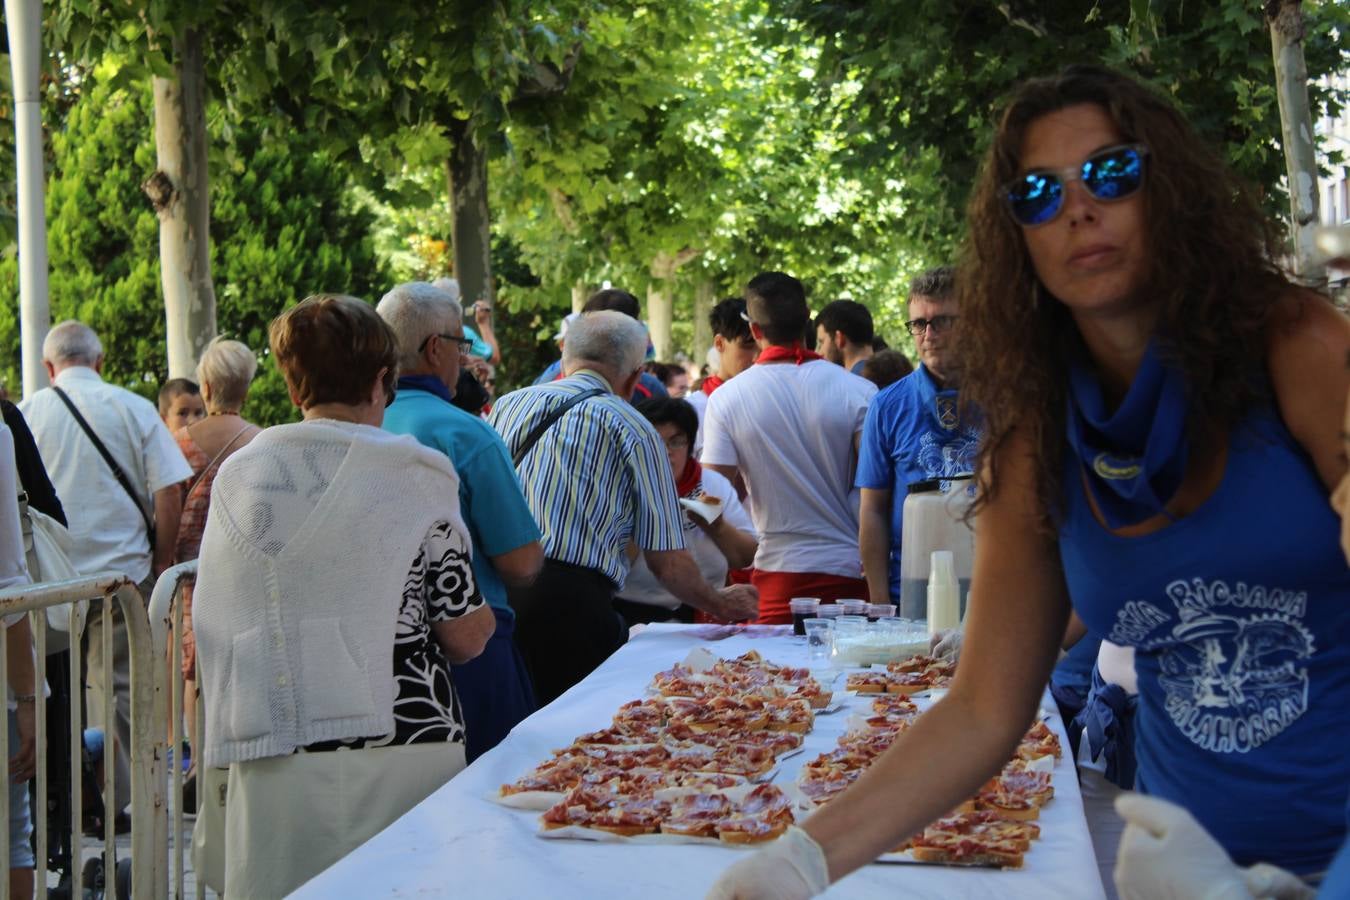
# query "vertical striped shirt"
(596, 479)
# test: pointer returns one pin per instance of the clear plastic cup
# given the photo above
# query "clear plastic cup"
(819, 639)
(849, 623)
(802, 608)
(854, 607)
(879, 611)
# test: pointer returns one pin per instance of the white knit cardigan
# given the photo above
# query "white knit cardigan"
(311, 533)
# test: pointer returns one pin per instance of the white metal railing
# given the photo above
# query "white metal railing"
(166, 617)
(149, 820)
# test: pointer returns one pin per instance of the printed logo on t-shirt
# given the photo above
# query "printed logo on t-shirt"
(945, 456)
(1232, 660)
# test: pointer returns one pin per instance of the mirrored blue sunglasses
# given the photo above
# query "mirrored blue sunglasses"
(1111, 174)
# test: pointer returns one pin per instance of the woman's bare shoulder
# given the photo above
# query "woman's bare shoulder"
(1309, 365)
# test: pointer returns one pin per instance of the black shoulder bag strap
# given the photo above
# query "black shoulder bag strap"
(549, 421)
(120, 475)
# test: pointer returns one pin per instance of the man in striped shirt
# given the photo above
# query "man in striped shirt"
(601, 489)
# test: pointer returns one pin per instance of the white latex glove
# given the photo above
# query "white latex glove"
(947, 642)
(1166, 855)
(791, 868)
(1266, 881)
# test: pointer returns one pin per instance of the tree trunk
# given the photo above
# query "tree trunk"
(705, 297)
(24, 18)
(578, 296)
(661, 300)
(1300, 152)
(660, 317)
(466, 173)
(180, 192)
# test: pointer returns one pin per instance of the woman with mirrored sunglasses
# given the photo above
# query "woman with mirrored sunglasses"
(1162, 409)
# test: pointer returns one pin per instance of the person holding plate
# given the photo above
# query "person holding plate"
(717, 528)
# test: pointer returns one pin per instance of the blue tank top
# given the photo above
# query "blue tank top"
(1240, 616)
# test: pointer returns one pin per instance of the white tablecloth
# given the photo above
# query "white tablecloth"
(458, 843)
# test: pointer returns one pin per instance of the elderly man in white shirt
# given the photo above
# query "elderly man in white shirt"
(107, 525)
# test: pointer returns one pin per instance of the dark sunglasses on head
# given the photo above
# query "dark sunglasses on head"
(1111, 174)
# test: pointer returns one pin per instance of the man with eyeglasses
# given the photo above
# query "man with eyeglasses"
(789, 427)
(736, 352)
(494, 689)
(914, 431)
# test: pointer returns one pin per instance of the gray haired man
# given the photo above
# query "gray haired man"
(494, 689)
(109, 516)
(598, 482)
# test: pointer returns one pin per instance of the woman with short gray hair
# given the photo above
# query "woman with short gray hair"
(224, 373)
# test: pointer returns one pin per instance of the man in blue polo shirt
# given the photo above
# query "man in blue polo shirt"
(494, 689)
(913, 432)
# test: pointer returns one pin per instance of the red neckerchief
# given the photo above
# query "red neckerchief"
(712, 383)
(797, 353)
(689, 479)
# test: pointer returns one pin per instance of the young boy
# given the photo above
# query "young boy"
(180, 403)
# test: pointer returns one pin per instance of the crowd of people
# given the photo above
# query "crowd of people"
(1146, 410)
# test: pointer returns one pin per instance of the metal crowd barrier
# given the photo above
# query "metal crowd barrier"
(166, 617)
(146, 755)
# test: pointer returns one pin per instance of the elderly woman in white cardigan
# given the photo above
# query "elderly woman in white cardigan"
(334, 591)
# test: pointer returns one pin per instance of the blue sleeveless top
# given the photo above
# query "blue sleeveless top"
(1240, 616)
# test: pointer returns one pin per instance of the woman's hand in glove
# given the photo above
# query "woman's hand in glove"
(791, 868)
(1165, 854)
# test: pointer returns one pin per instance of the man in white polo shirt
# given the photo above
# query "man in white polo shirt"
(789, 427)
(107, 524)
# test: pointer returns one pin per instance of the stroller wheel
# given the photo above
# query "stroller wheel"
(91, 878)
(124, 878)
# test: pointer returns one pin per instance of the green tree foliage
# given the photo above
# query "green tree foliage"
(917, 81)
(283, 226)
(710, 154)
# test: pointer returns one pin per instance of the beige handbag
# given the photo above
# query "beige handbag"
(47, 544)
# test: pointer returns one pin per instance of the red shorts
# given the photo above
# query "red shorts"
(777, 588)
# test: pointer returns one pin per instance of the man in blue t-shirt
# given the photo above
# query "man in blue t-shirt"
(913, 432)
(494, 689)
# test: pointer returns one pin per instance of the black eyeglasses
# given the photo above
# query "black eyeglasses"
(464, 343)
(939, 324)
(1111, 174)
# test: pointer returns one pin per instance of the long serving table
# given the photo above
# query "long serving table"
(459, 843)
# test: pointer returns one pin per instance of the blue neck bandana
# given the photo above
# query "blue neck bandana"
(1135, 456)
(429, 383)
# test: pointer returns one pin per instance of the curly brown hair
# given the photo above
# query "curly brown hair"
(1211, 272)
